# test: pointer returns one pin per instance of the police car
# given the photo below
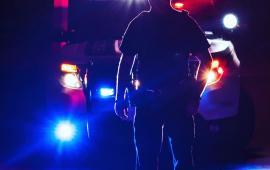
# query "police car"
(91, 79)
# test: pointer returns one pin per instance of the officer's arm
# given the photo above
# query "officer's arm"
(200, 50)
(123, 76)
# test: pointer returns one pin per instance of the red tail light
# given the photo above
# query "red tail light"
(215, 74)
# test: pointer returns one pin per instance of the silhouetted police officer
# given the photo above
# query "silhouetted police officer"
(162, 40)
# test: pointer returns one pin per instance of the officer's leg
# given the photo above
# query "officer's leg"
(147, 135)
(181, 133)
(165, 158)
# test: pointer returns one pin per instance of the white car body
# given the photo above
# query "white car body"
(220, 100)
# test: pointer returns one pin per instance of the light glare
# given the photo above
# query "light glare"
(220, 70)
(105, 92)
(136, 84)
(215, 64)
(230, 21)
(71, 81)
(65, 131)
(178, 5)
(211, 77)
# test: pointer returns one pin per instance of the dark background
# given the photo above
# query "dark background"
(26, 34)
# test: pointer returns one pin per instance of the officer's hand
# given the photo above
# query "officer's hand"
(121, 110)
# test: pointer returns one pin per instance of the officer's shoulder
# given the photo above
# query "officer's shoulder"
(185, 12)
(138, 18)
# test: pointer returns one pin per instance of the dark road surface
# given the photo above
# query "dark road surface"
(26, 145)
(110, 147)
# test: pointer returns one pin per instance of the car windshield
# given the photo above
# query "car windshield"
(102, 20)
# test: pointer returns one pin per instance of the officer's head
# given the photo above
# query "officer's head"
(160, 5)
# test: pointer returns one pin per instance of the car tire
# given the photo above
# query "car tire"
(225, 140)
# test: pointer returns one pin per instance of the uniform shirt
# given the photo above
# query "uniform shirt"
(163, 44)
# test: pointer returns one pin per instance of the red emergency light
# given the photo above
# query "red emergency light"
(60, 3)
(178, 5)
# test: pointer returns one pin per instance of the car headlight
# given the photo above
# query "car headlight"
(70, 78)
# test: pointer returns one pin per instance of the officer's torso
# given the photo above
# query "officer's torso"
(163, 52)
